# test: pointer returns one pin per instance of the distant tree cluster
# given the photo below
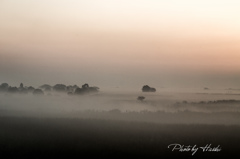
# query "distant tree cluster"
(5, 87)
(146, 88)
(71, 90)
(86, 89)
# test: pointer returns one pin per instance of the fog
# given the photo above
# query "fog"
(163, 106)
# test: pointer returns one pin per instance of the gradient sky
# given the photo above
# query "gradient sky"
(121, 43)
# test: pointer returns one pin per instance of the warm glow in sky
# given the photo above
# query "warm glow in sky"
(121, 42)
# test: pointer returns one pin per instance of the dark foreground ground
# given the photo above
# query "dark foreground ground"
(83, 138)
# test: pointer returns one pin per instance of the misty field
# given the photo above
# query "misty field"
(118, 125)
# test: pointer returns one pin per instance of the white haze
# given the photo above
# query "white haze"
(161, 107)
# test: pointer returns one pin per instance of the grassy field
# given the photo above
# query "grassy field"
(22, 137)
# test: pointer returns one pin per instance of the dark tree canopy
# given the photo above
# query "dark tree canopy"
(79, 91)
(4, 87)
(30, 89)
(86, 89)
(60, 87)
(70, 89)
(46, 87)
(85, 86)
(75, 86)
(146, 88)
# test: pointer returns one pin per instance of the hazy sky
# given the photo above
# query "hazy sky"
(171, 43)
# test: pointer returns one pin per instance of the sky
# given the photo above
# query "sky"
(127, 43)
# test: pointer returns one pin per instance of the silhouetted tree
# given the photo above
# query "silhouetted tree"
(22, 90)
(30, 89)
(4, 87)
(146, 88)
(70, 88)
(75, 87)
(85, 86)
(153, 90)
(86, 89)
(46, 87)
(60, 87)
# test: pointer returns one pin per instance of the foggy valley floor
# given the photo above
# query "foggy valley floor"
(165, 108)
(118, 125)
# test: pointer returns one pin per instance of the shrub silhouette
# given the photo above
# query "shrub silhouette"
(141, 98)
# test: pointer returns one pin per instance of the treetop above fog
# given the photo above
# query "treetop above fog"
(70, 89)
(147, 88)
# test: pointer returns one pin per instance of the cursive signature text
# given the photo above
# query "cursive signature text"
(194, 148)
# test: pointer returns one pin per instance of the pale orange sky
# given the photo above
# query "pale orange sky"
(113, 42)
